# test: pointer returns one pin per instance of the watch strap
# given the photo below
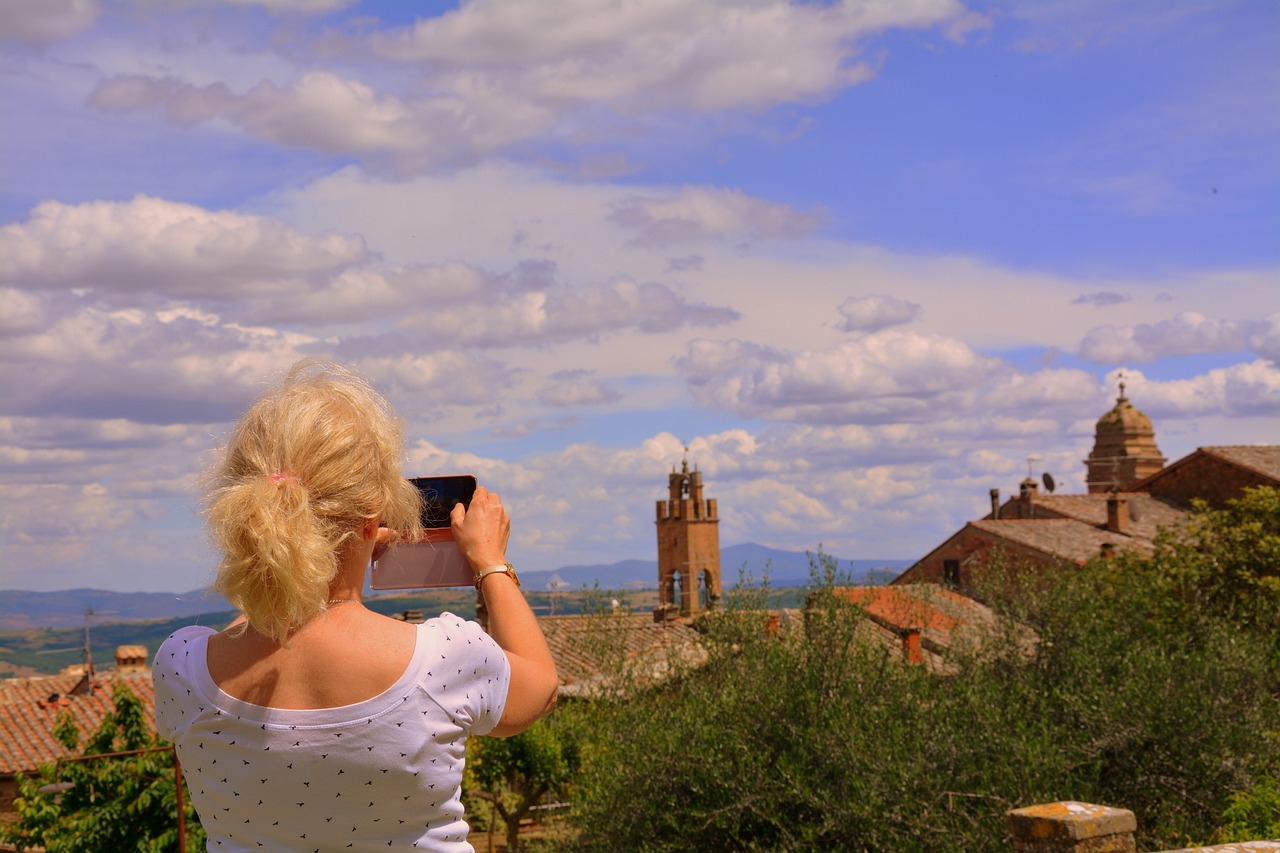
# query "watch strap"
(499, 568)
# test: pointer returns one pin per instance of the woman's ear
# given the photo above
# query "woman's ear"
(369, 529)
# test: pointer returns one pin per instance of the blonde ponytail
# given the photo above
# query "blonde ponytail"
(306, 466)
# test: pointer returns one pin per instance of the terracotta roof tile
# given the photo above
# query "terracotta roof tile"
(31, 707)
(1061, 537)
(591, 652)
(1262, 458)
(1147, 514)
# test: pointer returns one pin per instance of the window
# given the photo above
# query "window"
(951, 572)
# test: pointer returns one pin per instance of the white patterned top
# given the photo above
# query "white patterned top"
(385, 773)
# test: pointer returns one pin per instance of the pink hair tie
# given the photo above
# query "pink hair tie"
(282, 478)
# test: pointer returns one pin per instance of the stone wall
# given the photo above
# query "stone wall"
(1206, 477)
(1071, 827)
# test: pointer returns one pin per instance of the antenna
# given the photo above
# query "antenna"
(1031, 459)
(1047, 479)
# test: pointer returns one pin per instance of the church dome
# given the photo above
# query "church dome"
(1124, 449)
(1123, 417)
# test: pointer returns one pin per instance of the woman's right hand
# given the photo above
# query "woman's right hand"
(482, 530)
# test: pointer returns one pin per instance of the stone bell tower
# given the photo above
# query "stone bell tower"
(1124, 449)
(688, 548)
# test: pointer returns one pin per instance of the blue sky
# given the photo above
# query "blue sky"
(863, 259)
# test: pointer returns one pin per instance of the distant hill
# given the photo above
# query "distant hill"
(23, 610)
(784, 568)
(20, 609)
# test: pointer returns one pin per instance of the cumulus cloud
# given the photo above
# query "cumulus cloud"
(1050, 390)
(883, 376)
(20, 312)
(180, 250)
(577, 388)
(1189, 333)
(165, 367)
(671, 54)
(494, 74)
(44, 21)
(1265, 340)
(510, 316)
(424, 386)
(872, 313)
(700, 213)
(1249, 389)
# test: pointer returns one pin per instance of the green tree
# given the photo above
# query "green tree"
(1142, 689)
(117, 803)
(514, 774)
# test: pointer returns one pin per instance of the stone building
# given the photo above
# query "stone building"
(1131, 496)
(1124, 449)
(688, 548)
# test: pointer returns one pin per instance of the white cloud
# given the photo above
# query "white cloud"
(576, 388)
(45, 21)
(872, 313)
(1189, 333)
(180, 250)
(700, 213)
(668, 54)
(505, 318)
(1251, 389)
(888, 375)
(426, 386)
(497, 74)
(1049, 390)
(166, 367)
(20, 313)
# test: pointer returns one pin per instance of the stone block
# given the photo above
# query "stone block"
(1071, 827)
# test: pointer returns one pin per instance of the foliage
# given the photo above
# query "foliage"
(1151, 686)
(516, 773)
(122, 803)
(1253, 814)
(1225, 563)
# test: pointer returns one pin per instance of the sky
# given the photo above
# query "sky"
(859, 262)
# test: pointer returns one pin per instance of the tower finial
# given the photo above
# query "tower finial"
(1122, 397)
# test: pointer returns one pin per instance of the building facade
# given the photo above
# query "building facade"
(688, 548)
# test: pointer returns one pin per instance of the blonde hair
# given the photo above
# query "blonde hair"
(306, 466)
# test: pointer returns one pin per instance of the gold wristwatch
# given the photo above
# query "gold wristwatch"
(501, 568)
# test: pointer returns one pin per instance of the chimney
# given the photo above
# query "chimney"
(1028, 490)
(911, 645)
(132, 659)
(1118, 514)
(995, 504)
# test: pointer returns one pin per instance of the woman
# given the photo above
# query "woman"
(313, 723)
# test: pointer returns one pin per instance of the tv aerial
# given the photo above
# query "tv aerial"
(1049, 484)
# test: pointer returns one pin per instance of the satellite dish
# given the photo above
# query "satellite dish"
(1048, 482)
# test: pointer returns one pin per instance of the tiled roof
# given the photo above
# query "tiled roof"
(593, 652)
(1147, 514)
(942, 615)
(1061, 537)
(1262, 458)
(31, 707)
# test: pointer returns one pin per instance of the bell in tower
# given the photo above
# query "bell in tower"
(688, 548)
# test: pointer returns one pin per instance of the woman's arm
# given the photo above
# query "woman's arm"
(481, 531)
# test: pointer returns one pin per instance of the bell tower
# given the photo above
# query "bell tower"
(688, 548)
(1124, 449)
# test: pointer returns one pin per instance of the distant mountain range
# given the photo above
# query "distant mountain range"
(21, 610)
